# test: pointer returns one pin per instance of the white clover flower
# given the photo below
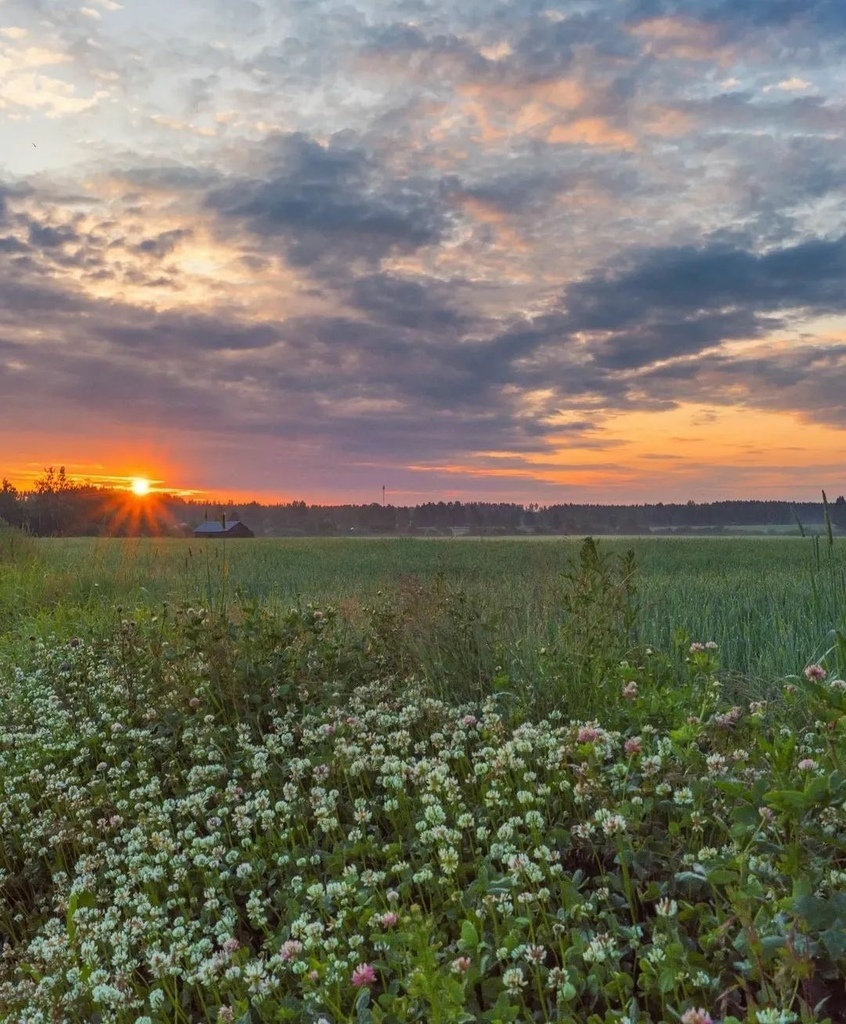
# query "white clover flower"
(666, 907)
(513, 980)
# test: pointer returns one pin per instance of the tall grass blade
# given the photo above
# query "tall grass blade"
(828, 531)
(798, 520)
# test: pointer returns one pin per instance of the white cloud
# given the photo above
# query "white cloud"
(52, 95)
(24, 84)
(793, 84)
(13, 60)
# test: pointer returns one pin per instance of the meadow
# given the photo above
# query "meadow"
(772, 604)
(422, 780)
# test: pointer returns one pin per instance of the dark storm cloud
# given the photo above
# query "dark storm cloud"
(810, 380)
(423, 304)
(328, 201)
(22, 300)
(821, 15)
(179, 334)
(551, 48)
(656, 342)
(420, 54)
(617, 328)
(47, 237)
(689, 279)
(12, 245)
(162, 244)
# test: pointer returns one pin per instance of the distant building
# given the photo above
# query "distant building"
(223, 530)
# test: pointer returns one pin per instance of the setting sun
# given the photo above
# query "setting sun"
(140, 486)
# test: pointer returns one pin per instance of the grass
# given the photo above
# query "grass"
(471, 787)
(771, 604)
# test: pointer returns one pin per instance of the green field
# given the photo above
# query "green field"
(771, 604)
(422, 782)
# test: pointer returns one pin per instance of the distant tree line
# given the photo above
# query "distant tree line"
(59, 506)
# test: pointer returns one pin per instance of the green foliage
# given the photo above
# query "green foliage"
(767, 603)
(17, 547)
(596, 631)
(261, 812)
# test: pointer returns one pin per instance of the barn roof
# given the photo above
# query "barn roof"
(217, 527)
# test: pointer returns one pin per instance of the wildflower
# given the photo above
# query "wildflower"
(699, 1016)
(513, 980)
(448, 860)
(535, 954)
(727, 720)
(696, 648)
(587, 734)
(807, 764)
(388, 919)
(767, 813)
(711, 645)
(629, 691)
(633, 745)
(226, 1014)
(666, 907)
(815, 673)
(290, 949)
(614, 824)
(461, 964)
(363, 975)
(599, 949)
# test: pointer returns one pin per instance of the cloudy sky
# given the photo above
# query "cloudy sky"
(532, 250)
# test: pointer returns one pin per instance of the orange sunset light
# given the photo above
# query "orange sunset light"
(140, 486)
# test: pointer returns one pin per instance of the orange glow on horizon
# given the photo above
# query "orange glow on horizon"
(140, 486)
(690, 450)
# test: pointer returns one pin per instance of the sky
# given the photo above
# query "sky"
(517, 250)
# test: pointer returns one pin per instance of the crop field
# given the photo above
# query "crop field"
(771, 604)
(443, 782)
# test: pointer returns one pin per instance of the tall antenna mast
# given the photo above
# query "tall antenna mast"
(383, 495)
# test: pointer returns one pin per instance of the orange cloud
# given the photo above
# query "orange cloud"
(592, 131)
(502, 108)
(682, 39)
(492, 216)
(549, 108)
(667, 122)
